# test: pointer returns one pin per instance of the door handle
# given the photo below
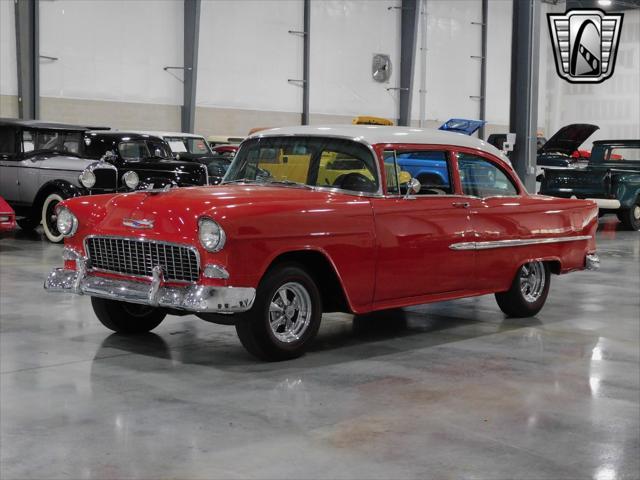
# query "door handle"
(461, 204)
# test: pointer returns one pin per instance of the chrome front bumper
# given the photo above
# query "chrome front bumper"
(193, 298)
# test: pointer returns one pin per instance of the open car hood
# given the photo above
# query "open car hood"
(462, 125)
(568, 138)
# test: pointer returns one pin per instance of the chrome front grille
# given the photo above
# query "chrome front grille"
(138, 257)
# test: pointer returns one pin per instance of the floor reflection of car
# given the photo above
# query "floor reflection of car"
(611, 179)
(322, 219)
(194, 148)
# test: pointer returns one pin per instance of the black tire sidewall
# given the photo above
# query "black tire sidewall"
(513, 302)
(627, 218)
(253, 327)
(114, 315)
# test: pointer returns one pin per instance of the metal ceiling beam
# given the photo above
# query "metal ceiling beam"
(483, 66)
(408, 38)
(191, 40)
(525, 59)
(28, 58)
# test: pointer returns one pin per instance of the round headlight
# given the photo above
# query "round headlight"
(66, 222)
(131, 179)
(212, 236)
(87, 178)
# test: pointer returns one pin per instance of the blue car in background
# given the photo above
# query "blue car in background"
(430, 168)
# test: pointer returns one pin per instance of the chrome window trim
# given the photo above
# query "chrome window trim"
(516, 242)
(139, 239)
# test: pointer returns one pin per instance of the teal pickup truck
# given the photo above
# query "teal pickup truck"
(611, 179)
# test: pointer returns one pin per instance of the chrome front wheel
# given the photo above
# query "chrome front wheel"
(290, 312)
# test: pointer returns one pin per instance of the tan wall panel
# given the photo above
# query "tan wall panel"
(8, 106)
(121, 115)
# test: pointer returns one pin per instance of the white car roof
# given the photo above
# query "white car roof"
(170, 134)
(374, 134)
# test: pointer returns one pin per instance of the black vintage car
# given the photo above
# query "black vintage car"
(143, 161)
(43, 163)
(194, 148)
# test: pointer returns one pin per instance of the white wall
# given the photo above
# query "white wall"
(499, 61)
(614, 105)
(344, 37)
(8, 66)
(111, 50)
(246, 55)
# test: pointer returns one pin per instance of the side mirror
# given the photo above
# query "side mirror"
(413, 187)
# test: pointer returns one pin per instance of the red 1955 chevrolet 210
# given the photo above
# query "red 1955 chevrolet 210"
(320, 219)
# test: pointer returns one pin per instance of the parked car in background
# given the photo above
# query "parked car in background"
(611, 179)
(194, 148)
(43, 163)
(270, 254)
(143, 161)
(7, 217)
(215, 140)
(228, 151)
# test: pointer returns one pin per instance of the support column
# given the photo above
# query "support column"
(191, 40)
(408, 39)
(483, 66)
(525, 59)
(305, 62)
(28, 58)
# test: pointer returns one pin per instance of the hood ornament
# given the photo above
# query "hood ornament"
(142, 223)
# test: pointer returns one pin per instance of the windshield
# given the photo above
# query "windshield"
(615, 153)
(193, 145)
(312, 161)
(134, 150)
(51, 140)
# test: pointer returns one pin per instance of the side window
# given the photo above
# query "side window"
(346, 169)
(7, 141)
(430, 168)
(28, 141)
(482, 178)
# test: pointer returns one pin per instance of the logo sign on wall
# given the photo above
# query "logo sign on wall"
(585, 44)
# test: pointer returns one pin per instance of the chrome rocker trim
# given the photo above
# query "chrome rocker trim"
(518, 242)
(192, 298)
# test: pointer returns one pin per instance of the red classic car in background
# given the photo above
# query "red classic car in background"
(320, 219)
(7, 217)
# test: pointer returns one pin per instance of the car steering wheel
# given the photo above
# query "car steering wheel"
(355, 181)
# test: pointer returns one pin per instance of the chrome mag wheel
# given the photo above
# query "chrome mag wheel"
(290, 312)
(532, 281)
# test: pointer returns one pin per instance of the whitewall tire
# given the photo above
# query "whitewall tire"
(49, 217)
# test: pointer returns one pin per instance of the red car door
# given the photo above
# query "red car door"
(414, 235)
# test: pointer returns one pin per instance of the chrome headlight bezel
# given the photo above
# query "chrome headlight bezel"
(66, 222)
(131, 179)
(211, 235)
(87, 178)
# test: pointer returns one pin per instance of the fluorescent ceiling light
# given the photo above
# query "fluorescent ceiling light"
(604, 3)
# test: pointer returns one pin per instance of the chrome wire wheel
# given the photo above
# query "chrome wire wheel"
(532, 281)
(290, 312)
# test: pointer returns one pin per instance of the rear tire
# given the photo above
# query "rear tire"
(630, 217)
(285, 317)
(528, 292)
(128, 318)
(49, 217)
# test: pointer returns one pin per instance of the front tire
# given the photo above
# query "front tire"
(285, 317)
(128, 318)
(528, 292)
(630, 217)
(49, 217)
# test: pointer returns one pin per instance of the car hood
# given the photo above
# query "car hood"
(462, 125)
(164, 165)
(177, 210)
(60, 162)
(568, 138)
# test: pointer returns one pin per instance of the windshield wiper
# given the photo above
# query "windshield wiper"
(290, 182)
(241, 180)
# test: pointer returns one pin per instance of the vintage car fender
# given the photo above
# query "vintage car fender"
(66, 189)
(628, 188)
